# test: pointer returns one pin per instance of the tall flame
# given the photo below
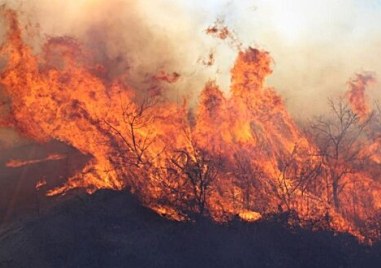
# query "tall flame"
(241, 155)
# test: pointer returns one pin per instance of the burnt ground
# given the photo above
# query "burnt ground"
(111, 229)
(18, 196)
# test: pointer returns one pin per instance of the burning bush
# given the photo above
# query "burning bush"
(239, 155)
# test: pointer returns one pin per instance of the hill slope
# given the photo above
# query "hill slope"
(111, 229)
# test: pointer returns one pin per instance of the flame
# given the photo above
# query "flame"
(356, 94)
(40, 183)
(241, 155)
(249, 216)
(16, 163)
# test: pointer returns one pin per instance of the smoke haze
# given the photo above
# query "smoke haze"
(317, 46)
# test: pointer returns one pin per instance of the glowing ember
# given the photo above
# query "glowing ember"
(249, 216)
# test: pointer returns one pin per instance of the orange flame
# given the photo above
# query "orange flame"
(237, 156)
(21, 163)
(40, 183)
(356, 94)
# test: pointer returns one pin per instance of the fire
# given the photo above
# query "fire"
(40, 183)
(356, 94)
(20, 163)
(241, 155)
(249, 216)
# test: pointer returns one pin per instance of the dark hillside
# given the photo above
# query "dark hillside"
(18, 196)
(111, 229)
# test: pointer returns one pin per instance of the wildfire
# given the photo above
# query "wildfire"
(241, 155)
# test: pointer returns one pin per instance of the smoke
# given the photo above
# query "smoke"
(137, 40)
(316, 45)
(357, 96)
(129, 37)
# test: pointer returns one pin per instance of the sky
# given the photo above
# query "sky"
(316, 46)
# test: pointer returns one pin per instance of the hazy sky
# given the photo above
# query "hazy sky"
(316, 45)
